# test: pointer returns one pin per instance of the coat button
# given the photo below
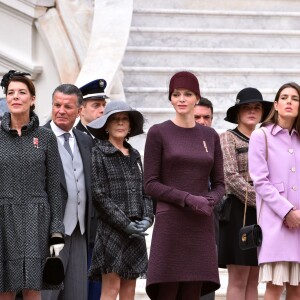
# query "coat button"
(291, 150)
(293, 169)
(294, 188)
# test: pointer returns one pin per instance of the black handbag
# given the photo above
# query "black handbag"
(251, 236)
(53, 272)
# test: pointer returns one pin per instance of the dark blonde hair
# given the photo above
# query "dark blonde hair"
(272, 118)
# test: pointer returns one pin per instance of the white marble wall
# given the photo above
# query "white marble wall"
(65, 42)
(23, 49)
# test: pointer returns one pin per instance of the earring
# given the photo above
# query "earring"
(106, 131)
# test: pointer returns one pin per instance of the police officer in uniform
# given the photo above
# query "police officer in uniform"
(94, 101)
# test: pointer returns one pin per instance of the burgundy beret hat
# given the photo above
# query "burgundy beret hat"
(184, 80)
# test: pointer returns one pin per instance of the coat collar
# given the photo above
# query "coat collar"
(109, 149)
(33, 124)
(275, 129)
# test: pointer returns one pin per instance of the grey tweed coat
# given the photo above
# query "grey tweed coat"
(118, 195)
(30, 204)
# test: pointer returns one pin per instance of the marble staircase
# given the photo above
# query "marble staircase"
(229, 45)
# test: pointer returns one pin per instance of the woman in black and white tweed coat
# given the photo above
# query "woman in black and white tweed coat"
(30, 204)
(120, 254)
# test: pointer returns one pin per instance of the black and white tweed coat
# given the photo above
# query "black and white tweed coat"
(30, 204)
(118, 195)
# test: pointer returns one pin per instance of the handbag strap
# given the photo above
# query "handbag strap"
(246, 200)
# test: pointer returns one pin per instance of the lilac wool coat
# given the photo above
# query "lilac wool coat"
(277, 182)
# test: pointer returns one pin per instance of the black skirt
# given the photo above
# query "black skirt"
(229, 251)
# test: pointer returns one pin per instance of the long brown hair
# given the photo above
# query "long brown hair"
(272, 118)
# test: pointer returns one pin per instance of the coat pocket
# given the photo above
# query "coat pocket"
(279, 187)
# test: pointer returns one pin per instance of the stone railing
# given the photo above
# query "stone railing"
(88, 39)
(108, 40)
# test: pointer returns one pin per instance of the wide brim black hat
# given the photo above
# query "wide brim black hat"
(53, 272)
(97, 127)
(247, 95)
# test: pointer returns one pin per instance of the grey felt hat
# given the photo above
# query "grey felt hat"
(97, 127)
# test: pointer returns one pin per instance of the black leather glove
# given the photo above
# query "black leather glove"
(140, 235)
(144, 224)
(132, 228)
(199, 204)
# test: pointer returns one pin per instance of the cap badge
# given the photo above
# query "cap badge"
(101, 83)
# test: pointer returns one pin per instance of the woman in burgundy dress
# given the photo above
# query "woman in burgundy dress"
(184, 174)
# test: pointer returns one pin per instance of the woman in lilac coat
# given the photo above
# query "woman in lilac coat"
(277, 185)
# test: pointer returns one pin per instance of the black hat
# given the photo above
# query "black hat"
(8, 76)
(97, 127)
(53, 272)
(94, 90)
(247, 95)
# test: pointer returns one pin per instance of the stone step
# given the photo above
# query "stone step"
(181, 57)
(212, 19)
(212, 78)
(222, 98)
(212, 38)
(220, 294)
(234, 5)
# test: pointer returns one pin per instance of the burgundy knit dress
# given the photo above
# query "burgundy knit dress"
(178, 162)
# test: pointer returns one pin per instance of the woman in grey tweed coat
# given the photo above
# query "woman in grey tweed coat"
(30, 205)
(120, 254)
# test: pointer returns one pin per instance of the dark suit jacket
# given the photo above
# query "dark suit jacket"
(85, 144)
(80, 127)
(94, 214)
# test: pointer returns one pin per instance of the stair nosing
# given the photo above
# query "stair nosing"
(213, 31)
(211, 70)
(217, 12)
(132, 89)
(211, 50)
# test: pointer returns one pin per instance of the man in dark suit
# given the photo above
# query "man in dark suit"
(75, 165)
(203, 113)
(92, 107)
